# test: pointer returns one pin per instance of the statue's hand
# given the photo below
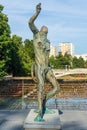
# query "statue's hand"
(38, 8)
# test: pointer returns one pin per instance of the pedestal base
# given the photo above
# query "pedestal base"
(52, 121)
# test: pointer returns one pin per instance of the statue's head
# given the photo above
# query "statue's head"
(44, 29)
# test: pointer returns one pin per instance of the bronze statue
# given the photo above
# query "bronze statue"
(42, 68)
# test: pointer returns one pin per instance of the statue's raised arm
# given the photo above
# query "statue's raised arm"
(32, 19)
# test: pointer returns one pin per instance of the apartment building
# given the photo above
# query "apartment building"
(53, 51)
(66, 47)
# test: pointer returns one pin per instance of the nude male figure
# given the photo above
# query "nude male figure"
(42, 69)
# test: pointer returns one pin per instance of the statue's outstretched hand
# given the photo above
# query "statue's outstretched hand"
(38, 8)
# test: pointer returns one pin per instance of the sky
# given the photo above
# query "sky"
(66, 20)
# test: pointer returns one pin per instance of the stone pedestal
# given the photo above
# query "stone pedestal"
(52, 121)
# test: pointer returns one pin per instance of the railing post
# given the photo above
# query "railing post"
(23, 103)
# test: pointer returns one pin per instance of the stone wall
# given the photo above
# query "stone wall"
(28, 88)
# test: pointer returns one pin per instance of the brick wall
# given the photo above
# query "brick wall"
(27, 88)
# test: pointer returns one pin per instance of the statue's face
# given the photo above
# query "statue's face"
(44, 29)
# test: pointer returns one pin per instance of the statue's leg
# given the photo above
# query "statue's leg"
(40, 78)
(56, 88)
(40, 97)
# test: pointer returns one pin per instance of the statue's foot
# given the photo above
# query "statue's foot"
(47, 111)
(39, 118)
(36, 110)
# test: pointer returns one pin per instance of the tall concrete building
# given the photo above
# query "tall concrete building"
(66, 47)
(53, 51)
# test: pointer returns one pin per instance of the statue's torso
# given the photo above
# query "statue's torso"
(42, 49)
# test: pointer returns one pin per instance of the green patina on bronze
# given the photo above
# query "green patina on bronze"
(41, 67)
(47, 111)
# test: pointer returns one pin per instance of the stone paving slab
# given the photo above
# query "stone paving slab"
(74, 120)
(12, 120)
(70, 119)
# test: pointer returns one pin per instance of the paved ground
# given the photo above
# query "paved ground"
(74, 120)
(70, 119)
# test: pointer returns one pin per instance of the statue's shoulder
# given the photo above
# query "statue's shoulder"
(37, 38)
(48, 41)
(36, 35)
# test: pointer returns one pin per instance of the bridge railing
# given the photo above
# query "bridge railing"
(63, 72)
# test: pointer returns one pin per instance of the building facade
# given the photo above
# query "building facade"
(53, 51)
(66, 47)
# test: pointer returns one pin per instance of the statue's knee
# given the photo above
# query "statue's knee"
(57, 89)
(41, 88)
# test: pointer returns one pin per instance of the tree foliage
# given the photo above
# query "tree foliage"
(4, 41)
(60, 62)
(78, 62)
(29, 48)
(15, 57)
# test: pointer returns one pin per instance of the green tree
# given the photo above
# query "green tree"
(4, 41)
(85, 64)
(68, 60)
(81, 62)
(75, 62)
(26, 63)
(52, 62)
(29, 48)
(60, 63)
(15, 56)
(29, 53)
(4, 26)
(2, 68)
(78, 62)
